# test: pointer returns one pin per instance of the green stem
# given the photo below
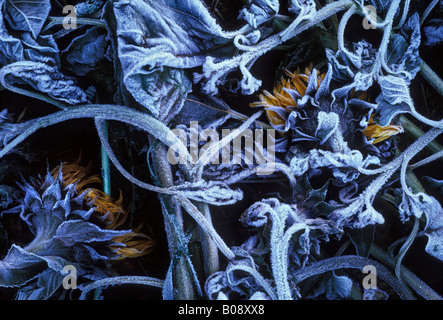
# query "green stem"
(431, 77)
(209, 247)
(416, 187)
(106, 173)
(106, 176)
(410, 278)
(404, 15)
(404, 248)
(428, 11)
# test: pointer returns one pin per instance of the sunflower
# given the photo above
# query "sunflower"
(291, 87)
(74, 224)
(130, 245)
(281, 102)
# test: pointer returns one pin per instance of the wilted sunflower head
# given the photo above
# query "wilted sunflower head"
(324, 130)
(72, 224)
(283, 99)
(300, 101)
(109, 210)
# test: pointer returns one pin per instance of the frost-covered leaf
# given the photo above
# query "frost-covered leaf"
(327, 124)
(374, 294)
(257, 215)
(403, 52)
(27, 15)
(258, 12)
(259, 295)
(299, 164)
(73, 231)
(307, 238)
(216, 286)
(310, 198)
(344, 165)
(154, 37)
(47, 283)
(412, 204)
(11, 49)
(85, 51)
(335, 287)
(434, 227)
(347, 64)
(381, 5)
(306, 7)
(241, 277)
(362, 239)
(395, 90)
(358, 214)
(87, 8)
(396, 48)
(419, 204)
(23, 46)
(19, 267)
(387, 111)
(433, 32)
(394, 99)
(45, 79)
(209, 111)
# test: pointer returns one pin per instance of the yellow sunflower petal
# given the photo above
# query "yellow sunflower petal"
(377, 133)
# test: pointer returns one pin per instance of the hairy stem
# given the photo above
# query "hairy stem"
(180, 273)
(206, 226)
(435, 156)
(209, 247)
(415, 132)
(352, 262)
(137, 280)
(410, 278)
(404, 248)
(137, 119)
(431, 77)
(428, 11)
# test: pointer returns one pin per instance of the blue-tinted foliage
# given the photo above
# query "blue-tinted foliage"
(341, 165)
(60, 220)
